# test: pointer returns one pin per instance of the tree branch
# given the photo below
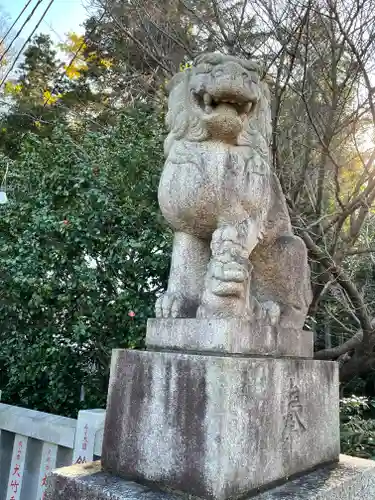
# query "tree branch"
(347, 284)
(336, 352)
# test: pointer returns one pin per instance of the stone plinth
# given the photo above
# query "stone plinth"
(229, 336)
(350, 479)
(218, 426)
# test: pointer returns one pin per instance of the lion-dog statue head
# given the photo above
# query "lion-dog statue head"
(220, 98)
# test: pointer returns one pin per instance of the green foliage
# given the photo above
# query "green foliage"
(47, 89)
(25, 96)
(82, 244)
(358, 427)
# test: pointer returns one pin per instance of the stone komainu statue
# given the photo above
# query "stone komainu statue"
(234, 252)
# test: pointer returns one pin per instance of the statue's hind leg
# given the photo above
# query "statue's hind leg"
(226, 287)
(281, 276)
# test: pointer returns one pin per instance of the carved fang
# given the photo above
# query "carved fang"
(207, 99)
(248, 107)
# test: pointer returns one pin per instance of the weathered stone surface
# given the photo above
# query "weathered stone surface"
(88, 482)
(228, 335)
(218, 426)
(234, 252)
(350, 479)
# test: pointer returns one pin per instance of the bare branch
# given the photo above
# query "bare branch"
(347, 284)
(335, 352)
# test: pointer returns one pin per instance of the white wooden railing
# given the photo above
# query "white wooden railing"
(33, 443)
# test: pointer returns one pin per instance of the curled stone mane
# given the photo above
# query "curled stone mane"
(180, 122)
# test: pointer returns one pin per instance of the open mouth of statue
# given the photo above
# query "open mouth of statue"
(225, 103)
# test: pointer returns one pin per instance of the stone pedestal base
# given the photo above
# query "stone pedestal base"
(350, 479)
(229, 336)
(217, 426)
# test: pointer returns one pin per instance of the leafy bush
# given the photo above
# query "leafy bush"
(357, 427)
(82, 245)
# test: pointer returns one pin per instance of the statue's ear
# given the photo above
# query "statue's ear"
(251, 65)
(175, 80)
(212, 58)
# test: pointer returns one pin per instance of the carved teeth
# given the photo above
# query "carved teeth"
(229, 101)
(248, 107)
(210, 101)
(207, 99)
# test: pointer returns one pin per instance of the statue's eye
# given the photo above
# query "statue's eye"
(218, 72)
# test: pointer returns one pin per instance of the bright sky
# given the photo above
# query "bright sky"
(63, 16)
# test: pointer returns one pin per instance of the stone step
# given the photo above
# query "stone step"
(350, 479)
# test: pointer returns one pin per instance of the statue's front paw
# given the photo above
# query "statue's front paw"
(228, 278)
(174, 305)
(229, 272)
(268, 311)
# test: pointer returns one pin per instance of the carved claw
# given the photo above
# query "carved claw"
(174, 305)
(202, 312)
(269, 311)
